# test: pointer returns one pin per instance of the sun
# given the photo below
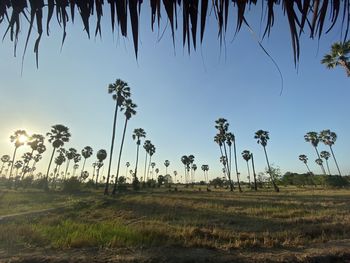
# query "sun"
(23, 139)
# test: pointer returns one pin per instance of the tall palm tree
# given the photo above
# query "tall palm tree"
(205, 169)
(166, 164)
(230, 139)
(219, 139)
(194, 168)
(147, 147)
(27, 157)
(328, 138)
(222, 125)
(137, 135)
(263, 137)
(86, 152)
(314, 139)
(185, 162)
(254, 174)
(4, 159)
(319, 161)
(127, 164)
(157, 171)
(18, 165)
(75, 167)
(304, 159)
(19, 138)
(59, 160)
(101, 155)
(121, 92)
(152, 150)
(58, 136)
(70, 155)
(189, 167)
(325, 155)
(40, 149)
(36, 143)
(339, 56)
(175, 174)
(247, 156)
(153, 164)
(129, 111)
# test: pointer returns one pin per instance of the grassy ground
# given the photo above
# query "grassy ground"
(188, 220)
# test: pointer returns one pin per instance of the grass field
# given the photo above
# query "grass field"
(294, 223)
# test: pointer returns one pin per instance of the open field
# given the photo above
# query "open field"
(186, 226)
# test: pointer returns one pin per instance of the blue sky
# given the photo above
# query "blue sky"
(179, 96)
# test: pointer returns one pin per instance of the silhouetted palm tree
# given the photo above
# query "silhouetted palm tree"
(4, 159)
(58, 136)
(263, 137)
(18, 164)
(319, 162)
(304, 159)
(27, 157)
(127, 164)
(230, 139)
(247, 156)
(129, 111)
(101, 156)
(18, 138)
(254, 174)
(166, 164)
(36, 159)
(146, 145)
(121, 92)
(157, 171)
(175, 174)
(328, 138)
(153, 164)
(205, 169)
(339, 56)
(70, 155)
(59, 160)
(186, 163)
(325, 155)
(194, 168)
(314, 139)
(36, 142)
(75, 167)
(86, 153)
(137, 135)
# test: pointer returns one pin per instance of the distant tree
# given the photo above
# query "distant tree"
(137, 135)
(4, 159)
(121, 92)
(27, 157)
(314, 139)
(151, 152)
(101, 156)
(194, 168)
(175, 174)
(19, 138)
(18, 165)
(129, 111)
(247, 156)
(166, 164)
(146, 146)
(185, 161)
(58, 136)
(59, 160)
(339, 56)
(263, 137)
(70, 155)
(205, 169)
(36, 143)
(36, 158)
(153, 164)
(157, 171)
(325, 155)
(254, 174)
(231, 139)
(127, 165)
(329, 138)
(86, 152)
(75, 167)
(190, 163)
(319, 161)
(304, 159)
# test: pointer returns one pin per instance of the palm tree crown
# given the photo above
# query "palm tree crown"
(138, 134)
(339, 56)
(262, 137)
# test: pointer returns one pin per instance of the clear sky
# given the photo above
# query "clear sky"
(179, 96)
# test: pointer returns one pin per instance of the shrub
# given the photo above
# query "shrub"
(71, 185)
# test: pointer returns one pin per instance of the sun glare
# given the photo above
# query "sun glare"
(23, 139)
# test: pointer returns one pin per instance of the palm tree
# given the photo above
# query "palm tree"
(58, 136)
(152, 150)
(101, 156)
(319, 161)
(129, 111)
(146, 146)
(75, 167)
(175, 174)
(339, 56)
(304, 159)
(36, 159)
(263, 137)
(153, 164)
(314, 139)
(194, 168)
(126, 171)
(254, 174)
(185, 162)
(325, 155)
(189, 167)
(205, 169)
(230, 138)
(70, 154)
(247, 156)
(59, 160)
(36, 142)
(121, 92)
(166, 164)
(328, 138)
(19, 138)
(157, 171)
(4, 159)
(27, 157)
(137, 135)
(18, 164)
(86, 152)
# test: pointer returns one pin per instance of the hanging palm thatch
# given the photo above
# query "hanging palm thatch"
(308, 16)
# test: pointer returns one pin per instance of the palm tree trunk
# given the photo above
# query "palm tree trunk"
(235, 153)
(254, 174)
(13, 161)
(26, 164)
(222, 155)
(308, 168)
(46, 186)
(335, 160)
(149, 166)
(2, 167)
(82, 169)
(32, 170)
(268, 165)
(248, 175)
(119, 158)
(345, 65)
(97, 174)
(112, 146)
(137, 160)
(329, 171)
(144, 172)
(322, 167)
(229, 171)
(65, 173)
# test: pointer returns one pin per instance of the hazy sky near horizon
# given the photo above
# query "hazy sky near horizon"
(179, 96)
